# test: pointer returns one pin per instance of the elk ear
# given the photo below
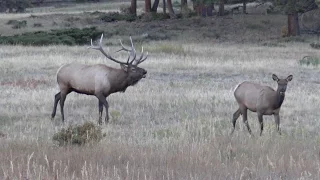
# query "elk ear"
(289, 78)
(124, 67)
(275, 77)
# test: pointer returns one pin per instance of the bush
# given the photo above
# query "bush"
(315, 45)
(79, 135)
(292, 39)
(72, 36)
(273, 44)
(115, 16)
(14, 6)
(309, 60)
(37, 25)
(18, 24)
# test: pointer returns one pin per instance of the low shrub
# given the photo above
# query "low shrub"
(292, 39)
(37, 25)
(273, 44)
(116, 16)
(79, 135)
(310, 61)
(14, 6)
(315, 45)
(73, 36)
(17, 24)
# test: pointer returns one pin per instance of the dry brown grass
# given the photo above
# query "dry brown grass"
(174, 124)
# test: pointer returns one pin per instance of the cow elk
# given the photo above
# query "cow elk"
(261, 99)
(99, 80)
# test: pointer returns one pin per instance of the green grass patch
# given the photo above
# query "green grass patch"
(73, 36)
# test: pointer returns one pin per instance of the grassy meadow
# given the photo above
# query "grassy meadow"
(174, 124)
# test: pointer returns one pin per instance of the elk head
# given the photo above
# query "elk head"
(134, 73)
(282, 83)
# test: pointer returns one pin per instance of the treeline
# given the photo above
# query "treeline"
(19, 6)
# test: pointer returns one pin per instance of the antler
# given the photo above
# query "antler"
(103, 52)
(141, 58)
(131, 52)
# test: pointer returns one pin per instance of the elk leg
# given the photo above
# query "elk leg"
(277, 121)
(62, 100)
(56, 100)
(260, 118)
(100, 112)
(103, 100)
(245, 119)
(234, 119)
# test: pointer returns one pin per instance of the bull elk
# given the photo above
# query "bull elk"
(261, 99)
(99, 80)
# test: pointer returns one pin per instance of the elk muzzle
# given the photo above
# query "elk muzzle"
(144, 74)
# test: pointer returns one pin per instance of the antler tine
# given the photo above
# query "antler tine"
(134, 57)
(144, 58)
(141, 58)
(100, 42)
(122, 47)
(103, 52)
(129, 55)
(133, 51)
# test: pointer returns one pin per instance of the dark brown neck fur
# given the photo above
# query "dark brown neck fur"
(119, 81)
(279, 101)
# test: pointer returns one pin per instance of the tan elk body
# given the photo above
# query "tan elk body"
(261, 99)
(99, 80)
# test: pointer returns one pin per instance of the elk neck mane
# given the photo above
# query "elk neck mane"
(119, 79)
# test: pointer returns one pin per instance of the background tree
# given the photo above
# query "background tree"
(203, 7)
(147, 6)
(293, 21)
(221, 7)
(170, 8)
(184, 6)
(244, 7)
(292, 8)
(133, 7)
(155, 6)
